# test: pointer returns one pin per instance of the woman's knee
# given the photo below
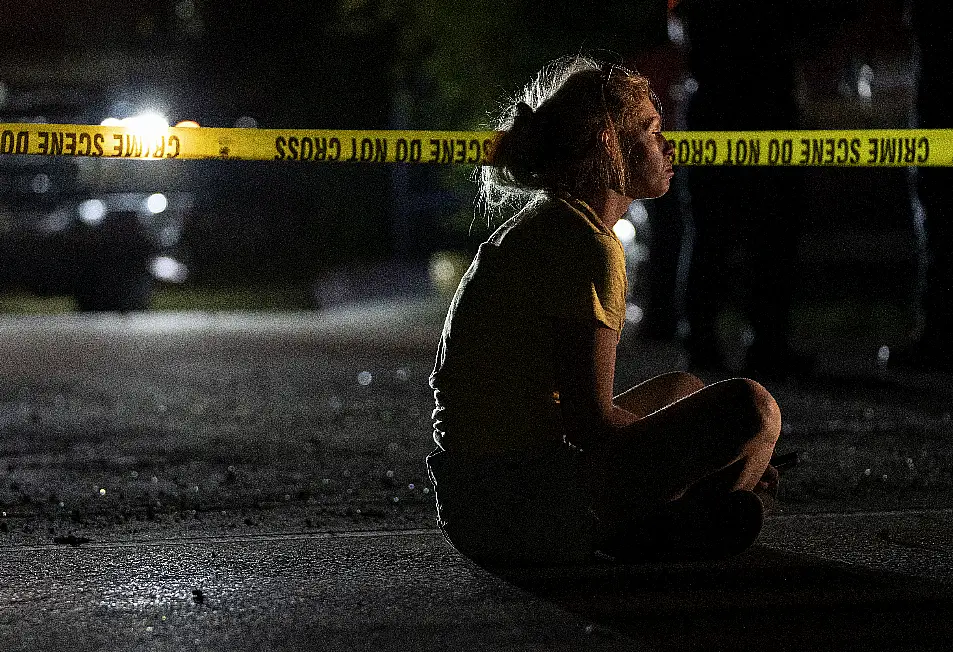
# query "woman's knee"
(675, 385)
(658, 392)
(757, 413)
(683, 383)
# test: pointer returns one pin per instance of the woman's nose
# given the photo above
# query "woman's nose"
(667, 147)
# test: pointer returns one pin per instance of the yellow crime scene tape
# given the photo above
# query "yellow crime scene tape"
(799, 148)
(242, 144)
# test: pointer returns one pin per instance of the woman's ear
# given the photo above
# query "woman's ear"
(606, 139)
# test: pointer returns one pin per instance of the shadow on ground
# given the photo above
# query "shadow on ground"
(761, 600)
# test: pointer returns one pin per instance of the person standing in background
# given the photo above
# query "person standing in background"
(742, 57)
(664, 285)
(934, 350)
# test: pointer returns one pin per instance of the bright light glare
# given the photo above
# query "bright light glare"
(146, 125)
(442, 270)
(625, 231)
(187, 123)
(637, 213)
(92, 211)
(169, 269)
(883, 354)
(676, 31)
(865, 80)
(156, 203)
(633, 313)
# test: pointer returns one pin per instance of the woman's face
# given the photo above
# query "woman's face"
(649, 159)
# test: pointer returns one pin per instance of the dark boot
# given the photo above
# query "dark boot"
(700, 527)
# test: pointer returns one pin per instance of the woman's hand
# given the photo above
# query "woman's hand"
(769, 480)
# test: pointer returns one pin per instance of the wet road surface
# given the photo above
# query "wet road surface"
(256, 482)
(829, 581)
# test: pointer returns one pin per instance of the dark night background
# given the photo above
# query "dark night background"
(375, 64)
(346, 65)
(242, 466)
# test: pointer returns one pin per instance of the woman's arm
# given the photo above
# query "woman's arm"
(586, 375)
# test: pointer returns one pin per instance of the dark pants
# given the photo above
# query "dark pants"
(744, 253)
(516, 509)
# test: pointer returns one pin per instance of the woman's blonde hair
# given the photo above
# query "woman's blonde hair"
(551, 135)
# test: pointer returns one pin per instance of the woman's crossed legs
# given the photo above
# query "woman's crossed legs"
(691, 442)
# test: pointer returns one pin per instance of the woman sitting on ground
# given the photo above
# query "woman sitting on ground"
(537, 462)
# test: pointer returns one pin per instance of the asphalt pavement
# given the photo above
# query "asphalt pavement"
(859, 556)
(826, 581)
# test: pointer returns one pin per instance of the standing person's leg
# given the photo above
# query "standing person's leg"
(935, 188)
(936, 193)
(706, 283)
(935, 110)
(770, 216)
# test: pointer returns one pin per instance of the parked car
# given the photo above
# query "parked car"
(100, 230)
(107, 250)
